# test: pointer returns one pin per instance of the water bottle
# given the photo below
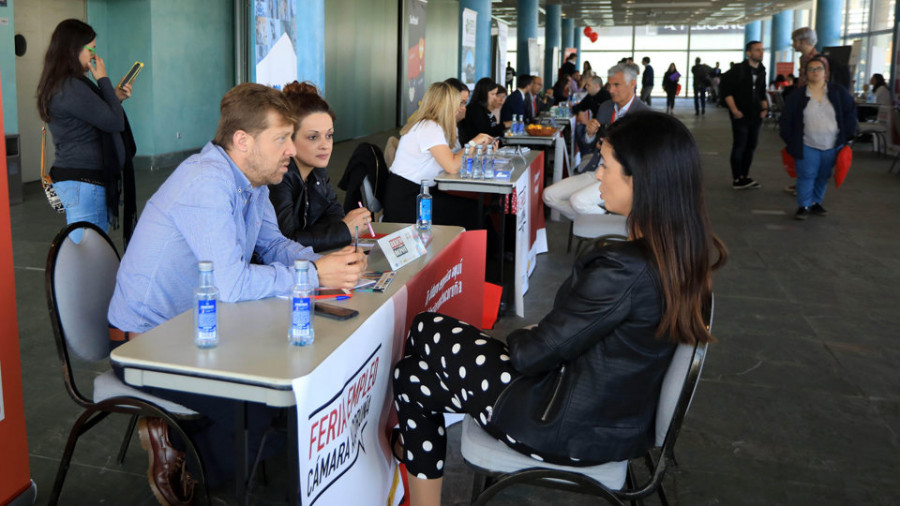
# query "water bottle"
(301, 331)
(488, 171)
(466, 170)
(519, 127)
(479, 162)
(206, 319)
(423, 212)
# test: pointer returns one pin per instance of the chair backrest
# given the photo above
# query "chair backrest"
(390, 150)
(368, 197)
(678, 387)
(80, 279)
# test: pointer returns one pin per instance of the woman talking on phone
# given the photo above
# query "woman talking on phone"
(92, 140)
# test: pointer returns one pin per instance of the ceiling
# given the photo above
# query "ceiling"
(598, 13)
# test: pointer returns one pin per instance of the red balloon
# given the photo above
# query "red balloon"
(594, 37)
(588, 31)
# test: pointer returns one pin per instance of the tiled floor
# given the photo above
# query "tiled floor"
(799, 401)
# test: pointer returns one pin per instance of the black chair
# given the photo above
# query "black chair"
(80, 279)
(497, 466)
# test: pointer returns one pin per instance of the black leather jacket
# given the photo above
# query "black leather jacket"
(592, 368)
(309, 212)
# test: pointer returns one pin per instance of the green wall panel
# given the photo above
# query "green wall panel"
(361, 45)
(442, 46)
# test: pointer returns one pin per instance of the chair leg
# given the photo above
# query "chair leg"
(572, 227)
(891, 170)
(125, 442)
(84, 423)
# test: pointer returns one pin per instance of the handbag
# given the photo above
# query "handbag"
(49, 191)
(788, 162)
(842, 164)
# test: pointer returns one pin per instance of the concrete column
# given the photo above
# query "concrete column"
(782, 26)
(527, 28)
(482, 36)
(552, 38)
(828, 22)
(578, 35)
(766, 33)
(752, 32)
(568, 33)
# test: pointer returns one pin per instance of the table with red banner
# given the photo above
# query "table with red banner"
(522, 193)
(340, 385)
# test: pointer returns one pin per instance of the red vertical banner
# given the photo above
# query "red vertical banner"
(15, 475)
(535, 200)
(452, 283)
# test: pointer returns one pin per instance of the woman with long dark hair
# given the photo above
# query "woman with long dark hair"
(305, 202)
(92, 140)
(550, 392)
(670, 86)
(880, 90)
(479, 119)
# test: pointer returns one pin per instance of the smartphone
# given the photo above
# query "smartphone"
(129, 77)
(335, 312)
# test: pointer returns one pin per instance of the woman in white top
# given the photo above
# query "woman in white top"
(880, 90)
(423, 152)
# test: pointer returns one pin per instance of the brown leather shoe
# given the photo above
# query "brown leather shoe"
(171, 483)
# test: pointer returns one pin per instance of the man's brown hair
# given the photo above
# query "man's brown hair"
(246, 107)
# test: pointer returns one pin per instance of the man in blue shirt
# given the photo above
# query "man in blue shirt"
(215, 206)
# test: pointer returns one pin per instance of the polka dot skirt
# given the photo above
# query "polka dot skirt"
(449, 367)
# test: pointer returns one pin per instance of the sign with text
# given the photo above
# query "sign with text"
(402, 247)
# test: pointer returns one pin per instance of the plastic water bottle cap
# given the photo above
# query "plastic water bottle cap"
(205, 266)
(301, 265)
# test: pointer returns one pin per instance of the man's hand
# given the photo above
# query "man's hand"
(341, 269)
(764, 113)
(124, 92)
(592, 127)
(737, 114)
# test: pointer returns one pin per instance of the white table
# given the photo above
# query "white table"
(526, 183)
(560, 154)
(254, 362)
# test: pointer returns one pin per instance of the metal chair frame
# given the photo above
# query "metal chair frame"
(488, 483)
(95, 412)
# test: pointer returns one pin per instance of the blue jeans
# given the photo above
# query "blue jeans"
(813, 172)
(83, 202)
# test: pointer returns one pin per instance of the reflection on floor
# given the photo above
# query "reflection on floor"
(799, 401)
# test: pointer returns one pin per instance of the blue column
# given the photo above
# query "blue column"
(828, 23)
(752, 32)
(552, 38)
(527, 28)
(482, 36)
(782, 26)
(766, 33)
(568, 33)
(578, 35)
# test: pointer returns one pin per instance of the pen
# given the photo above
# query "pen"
(356, 240)
(334, 297)
(369, 224)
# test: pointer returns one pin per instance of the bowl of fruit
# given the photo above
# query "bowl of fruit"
(541, 130)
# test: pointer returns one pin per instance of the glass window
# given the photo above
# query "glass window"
(882, 14)
(609, 38)
(856, 16)
(660, 37)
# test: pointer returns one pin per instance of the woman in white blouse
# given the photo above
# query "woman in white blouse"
(423, 152)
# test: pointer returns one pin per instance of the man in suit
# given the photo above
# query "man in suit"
(580, 193)
(534, 106)
(515, 104)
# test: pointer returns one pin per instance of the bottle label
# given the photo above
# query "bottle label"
(206, 319)
(425, 211)
(300, 315)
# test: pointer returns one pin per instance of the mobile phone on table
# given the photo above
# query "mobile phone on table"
(335, 312)
(129, 77)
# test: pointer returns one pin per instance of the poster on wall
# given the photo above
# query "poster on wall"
(275, 32)
(415, 57)
(502, 41)
(467, 48)
(535, 57)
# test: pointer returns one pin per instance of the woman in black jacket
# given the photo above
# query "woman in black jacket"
(479, 118)
(580, 387)
(670, 86)
(305, 203)
(817, 121)
(93, 144)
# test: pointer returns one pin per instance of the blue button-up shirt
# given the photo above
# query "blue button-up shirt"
(206, 210)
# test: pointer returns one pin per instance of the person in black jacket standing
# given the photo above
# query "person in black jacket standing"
(580, 387)
(305, 203)
(744, 90)
(818, 120)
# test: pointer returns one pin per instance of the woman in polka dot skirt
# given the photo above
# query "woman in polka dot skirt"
(580, 387)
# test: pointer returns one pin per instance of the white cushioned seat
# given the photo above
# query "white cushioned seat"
(483, 451)
(107, 385)
(592, 226)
